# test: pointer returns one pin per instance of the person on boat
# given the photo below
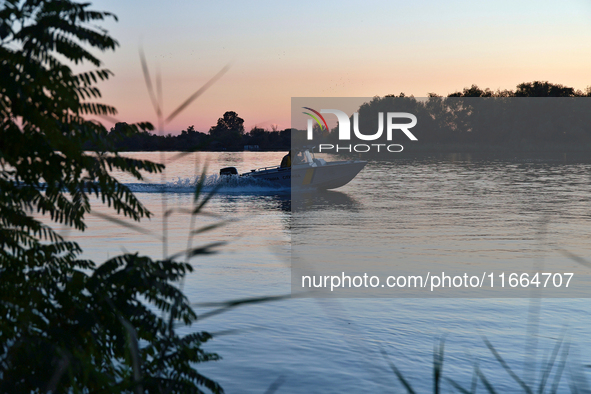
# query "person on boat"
(300, 158)
(286, 161)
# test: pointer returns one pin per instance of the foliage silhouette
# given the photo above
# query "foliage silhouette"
(67, 324)
(227, 133)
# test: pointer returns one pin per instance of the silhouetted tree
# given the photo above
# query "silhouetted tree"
(473, 91)
(190, 131)
(543, 89)
(227, 133)
(229, 122)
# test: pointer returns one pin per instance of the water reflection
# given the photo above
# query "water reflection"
(324, 200)
(312, 200)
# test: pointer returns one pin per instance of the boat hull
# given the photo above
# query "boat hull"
(329, 176)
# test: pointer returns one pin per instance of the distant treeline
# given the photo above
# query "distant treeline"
(452, 121)
(227, 135)
(526, 89)
(476, 120)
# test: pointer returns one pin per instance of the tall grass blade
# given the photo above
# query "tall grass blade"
(506, 367)
(199, 190)
(474, 379)
(549, 365)
(404, 382)
(485, 381)
(134, 350)
(234, 331)
(560, 369)
(148, 81)
(228, 305)
(437, 364)
(109, 118)
(458, 387)
(128, 225)
(578, 380)
(576, 258)
(198, 93)
(189, 211)
(159, 90)
(275, 385)
(200, 184)
(202, 250)
(208, 228)
(533, 315)
(204, 201)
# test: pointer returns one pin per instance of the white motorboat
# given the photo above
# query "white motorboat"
(305, 172)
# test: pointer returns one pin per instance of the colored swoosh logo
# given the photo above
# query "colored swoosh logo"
(316, 117)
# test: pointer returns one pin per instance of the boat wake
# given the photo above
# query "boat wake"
(224, 185)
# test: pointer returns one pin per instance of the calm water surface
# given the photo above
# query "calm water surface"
(334, 345)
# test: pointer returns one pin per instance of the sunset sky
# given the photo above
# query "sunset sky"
(334, 49)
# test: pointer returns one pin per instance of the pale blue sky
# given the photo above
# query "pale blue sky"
(346, 48)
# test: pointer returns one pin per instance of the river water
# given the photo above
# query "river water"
(489, 208)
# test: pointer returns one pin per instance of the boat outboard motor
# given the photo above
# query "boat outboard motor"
(228, 171)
